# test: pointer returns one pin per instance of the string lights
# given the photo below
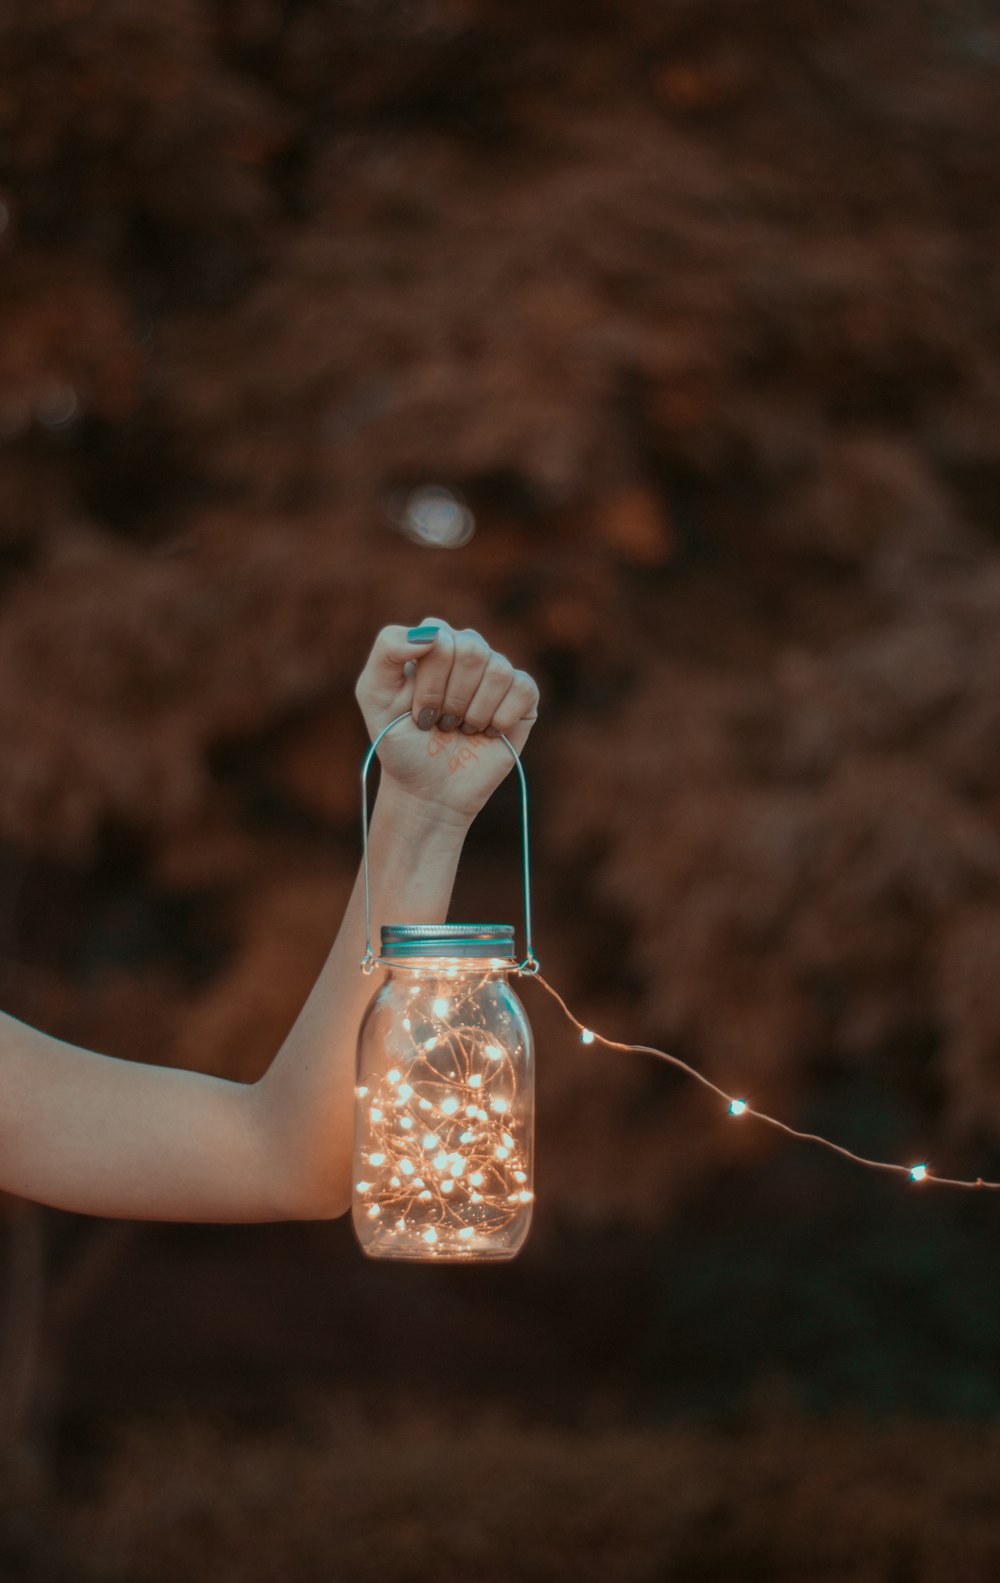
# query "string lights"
(444, 1116)
(444, 1096)
(741, 1107)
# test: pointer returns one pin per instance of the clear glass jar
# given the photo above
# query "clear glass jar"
(444, 1099)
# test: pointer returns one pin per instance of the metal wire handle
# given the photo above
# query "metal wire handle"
(369, 961)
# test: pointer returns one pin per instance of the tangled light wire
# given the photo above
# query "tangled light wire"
(742, 1107)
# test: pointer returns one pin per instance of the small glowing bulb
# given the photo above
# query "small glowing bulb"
(737, 1107)
(375, 1113)
(395, 1075)
(439, 1006)
(456, 1167)
(407, 1167)
(401, 1224)
(447, 1185)
(467, 1136)
(520, 1176)
(500, 1152)
(476, 1178)
(506, 1138)
(499, 1105)
(405, 1090)
(406, 1024)
(441, 1161)
(475, 1081)
(429, 1044)
(376, 1159)
(426, 1193)
(394, 1181)
(472, 1110)
(406, 1123)
(524, 1196)
(430, 1235)
(430, 1140)
(363, 1187)
(494, 1052)
(475, 1198)
(586, 1037)
(918, 1173)
(374, 1211)
(449, 1105)
(425, 1104)
(465, 1233)
(362, 1091)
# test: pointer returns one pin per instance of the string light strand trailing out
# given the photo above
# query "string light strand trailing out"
(738, 1106)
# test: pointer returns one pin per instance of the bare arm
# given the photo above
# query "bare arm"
(91, 1133)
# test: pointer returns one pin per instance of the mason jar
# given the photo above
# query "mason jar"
(444, 1099)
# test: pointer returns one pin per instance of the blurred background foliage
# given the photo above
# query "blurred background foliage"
(693, 309)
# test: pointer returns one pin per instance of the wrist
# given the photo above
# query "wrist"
(418, 817)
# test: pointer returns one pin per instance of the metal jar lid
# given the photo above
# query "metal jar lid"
(409, 940)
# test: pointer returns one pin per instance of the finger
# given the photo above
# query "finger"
(496, 683)
(517, 711)
(385, 669)
(471, 657)
(432, 672)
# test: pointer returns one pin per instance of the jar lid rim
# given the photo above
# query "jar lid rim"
(447, 939)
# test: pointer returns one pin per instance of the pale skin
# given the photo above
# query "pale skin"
(103, 1136)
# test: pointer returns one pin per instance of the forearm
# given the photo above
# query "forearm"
(90, 1133)
(304, 1102)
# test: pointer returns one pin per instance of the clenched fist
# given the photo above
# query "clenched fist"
(461, 695)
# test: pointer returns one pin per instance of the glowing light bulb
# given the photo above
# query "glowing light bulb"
(737, 1107)
(404, 1090)
(376, 1159)
(363, 1187)
(449, 1105)
(440, 1006)
(475, 1081)
(918, 1173)
(430, 1140)
(430, 1235)
(499, 1104)
(394, 1076)
(586, 1037)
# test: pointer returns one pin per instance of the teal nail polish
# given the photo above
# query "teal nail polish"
(422, 634)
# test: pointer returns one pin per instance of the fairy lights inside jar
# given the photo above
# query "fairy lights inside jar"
(444, 1118)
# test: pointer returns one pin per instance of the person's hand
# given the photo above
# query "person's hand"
(461, 695)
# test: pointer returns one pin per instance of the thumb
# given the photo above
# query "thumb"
(386, 683)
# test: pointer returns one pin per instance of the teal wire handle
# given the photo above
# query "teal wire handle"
(369, 961)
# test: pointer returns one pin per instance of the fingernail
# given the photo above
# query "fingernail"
(469, 729)
(448, 722)
(426, 718)
(491, 731)
(422, 634)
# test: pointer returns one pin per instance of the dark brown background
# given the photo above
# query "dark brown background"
(695, 306)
